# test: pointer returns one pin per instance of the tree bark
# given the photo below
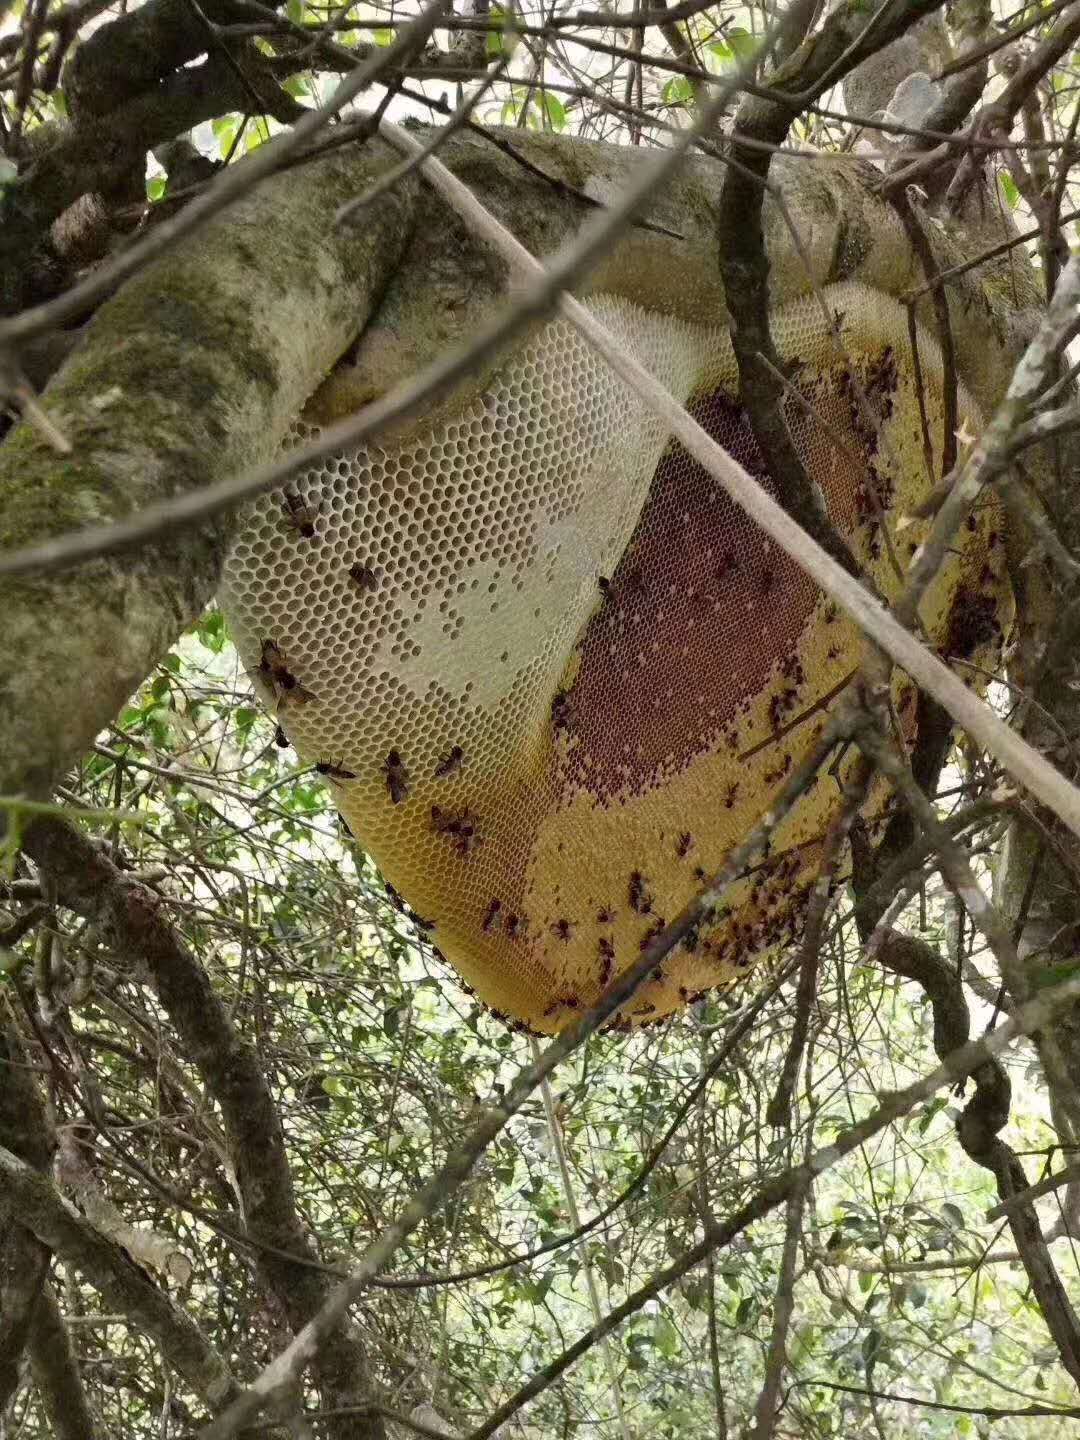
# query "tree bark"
(193, 370)
(55, 1368)
(24, 1258)
(123, 1285)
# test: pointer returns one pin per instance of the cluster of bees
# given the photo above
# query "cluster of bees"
(459, 826)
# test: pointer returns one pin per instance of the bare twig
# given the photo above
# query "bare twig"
(783, 1309)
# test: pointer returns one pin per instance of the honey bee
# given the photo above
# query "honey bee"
(450, 763)
(640, 899)
(606, 916)
(300, 516)
(397, 778)
(651, 934)
(685, 845)
(729, 563)
(364, 578)
(571, 1002)
(607, 960)
(334, 772)
(560, 711)
(395, 898)
(562, 930)
(459, 827)
(493, 918)
(274, 670)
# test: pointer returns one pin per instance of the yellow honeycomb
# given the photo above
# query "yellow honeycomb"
(554, 674)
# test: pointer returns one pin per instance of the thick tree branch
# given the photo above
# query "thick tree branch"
(24, 1260)
(55, 1368)
(201, 361)
(101, 153)
(845, 39)
(136, 52)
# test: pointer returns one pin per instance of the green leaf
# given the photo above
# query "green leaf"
(212, 631)
(225, 130)
(555, 111)
(1009, 189)
(1055, 974)
(743, 43)
(383, 36)
(872, 1345)
(497, 39)
(665, 1336)
(537, 1289)
(934, 1108)
(746, 1310)
(677, 91)
(953, 1214)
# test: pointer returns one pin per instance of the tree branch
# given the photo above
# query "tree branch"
(129, 920)
(984, 1115)
(200, 362)
(123, 1286)
(55, 1368)
(761, 125)
(24, 1260)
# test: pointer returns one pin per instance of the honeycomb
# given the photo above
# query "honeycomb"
(552, 673)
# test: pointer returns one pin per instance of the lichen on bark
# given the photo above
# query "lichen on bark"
(193, 370)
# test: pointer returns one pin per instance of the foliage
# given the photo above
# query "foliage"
(913, 1314)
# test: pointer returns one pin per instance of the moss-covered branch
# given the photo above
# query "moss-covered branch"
(195, 369)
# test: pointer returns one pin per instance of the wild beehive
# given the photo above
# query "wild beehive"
(553, 674)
